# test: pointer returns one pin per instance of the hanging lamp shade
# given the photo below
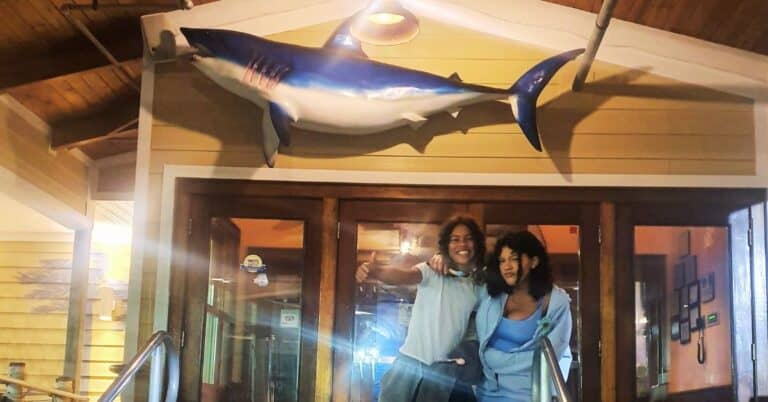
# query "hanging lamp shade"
(385, 22)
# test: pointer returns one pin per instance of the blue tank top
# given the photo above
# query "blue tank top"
(511, 334)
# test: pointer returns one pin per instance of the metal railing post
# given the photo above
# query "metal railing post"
(546, 372)
(158, 346)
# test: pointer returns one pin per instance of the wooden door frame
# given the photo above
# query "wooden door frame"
(332, 193)
(350, 214)
(629, 215)
(191, 276)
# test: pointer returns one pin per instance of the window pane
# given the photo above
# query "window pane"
(253, 321)
(681, 293)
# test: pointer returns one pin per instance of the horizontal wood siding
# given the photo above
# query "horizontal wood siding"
(625, 121)
(24, 150)
(34, 298)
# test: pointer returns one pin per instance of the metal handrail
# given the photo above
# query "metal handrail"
(545, 371)
(43, 390)
(158, 343)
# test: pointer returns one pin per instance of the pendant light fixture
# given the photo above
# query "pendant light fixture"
(385, 22)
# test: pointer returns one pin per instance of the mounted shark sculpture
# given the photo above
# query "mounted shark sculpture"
(337, 89)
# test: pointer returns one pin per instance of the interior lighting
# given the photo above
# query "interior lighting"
(385, 22)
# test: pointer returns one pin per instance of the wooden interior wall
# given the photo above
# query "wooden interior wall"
(625, 121)
(34, 297)
(24, 151)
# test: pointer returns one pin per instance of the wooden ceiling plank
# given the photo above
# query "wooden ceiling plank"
(78, 83)
(60, 108)
(677, 12)
(657, 14)
(623, 9)
(97, 84)
(21, 33)
(693, 19)
(53, 17)
(112, 79)
(715, 16)
(755, 23)
(35, 19)
(79, 104)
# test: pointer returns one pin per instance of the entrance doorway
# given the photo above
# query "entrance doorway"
(238, 319)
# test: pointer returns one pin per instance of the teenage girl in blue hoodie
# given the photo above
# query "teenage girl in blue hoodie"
(523, 306)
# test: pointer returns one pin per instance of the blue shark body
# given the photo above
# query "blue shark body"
(337, 89)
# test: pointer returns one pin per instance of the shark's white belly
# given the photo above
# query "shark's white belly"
(333, 111)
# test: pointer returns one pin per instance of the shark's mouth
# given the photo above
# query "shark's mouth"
(201, 52)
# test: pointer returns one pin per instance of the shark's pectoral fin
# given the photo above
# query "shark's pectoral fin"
(414, 120)
(454, 113)
(270, 139)
(281, 122)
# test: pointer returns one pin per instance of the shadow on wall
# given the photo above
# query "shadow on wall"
(236, 123)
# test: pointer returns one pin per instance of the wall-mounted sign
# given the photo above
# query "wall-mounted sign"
(290, 318)
(712, 319)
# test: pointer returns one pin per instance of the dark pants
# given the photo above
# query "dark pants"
(410, 380)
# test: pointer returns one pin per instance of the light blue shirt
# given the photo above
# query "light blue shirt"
(508, 374)
(440, 315)
(511, 334)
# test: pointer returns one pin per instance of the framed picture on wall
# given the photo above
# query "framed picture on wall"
(678, 281)
(707, 288)
(674, 303)
(683, 304)
(690, 269)
(675, 327)
(685, 332)
(693, 317)
(693, 293)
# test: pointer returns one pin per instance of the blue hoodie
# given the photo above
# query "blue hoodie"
(511, 382)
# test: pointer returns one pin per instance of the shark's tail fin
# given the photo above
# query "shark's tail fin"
(528, 88)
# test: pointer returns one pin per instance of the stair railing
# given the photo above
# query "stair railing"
(158, 344)
(546, 371)
(43, 390)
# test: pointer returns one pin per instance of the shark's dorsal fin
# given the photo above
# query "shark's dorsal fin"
(455, 77)
(342, 40)
(415, 120)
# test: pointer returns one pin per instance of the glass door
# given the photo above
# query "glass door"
(692, 277)
(372, 315)
(251, 300)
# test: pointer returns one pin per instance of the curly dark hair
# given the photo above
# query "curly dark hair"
(474, 229)
(540, 279)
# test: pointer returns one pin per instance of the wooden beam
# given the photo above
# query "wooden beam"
(78, 297)
(329, 246)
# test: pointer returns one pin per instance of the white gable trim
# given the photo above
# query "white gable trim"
(627, 44)
(531, 21)
(260, 17)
